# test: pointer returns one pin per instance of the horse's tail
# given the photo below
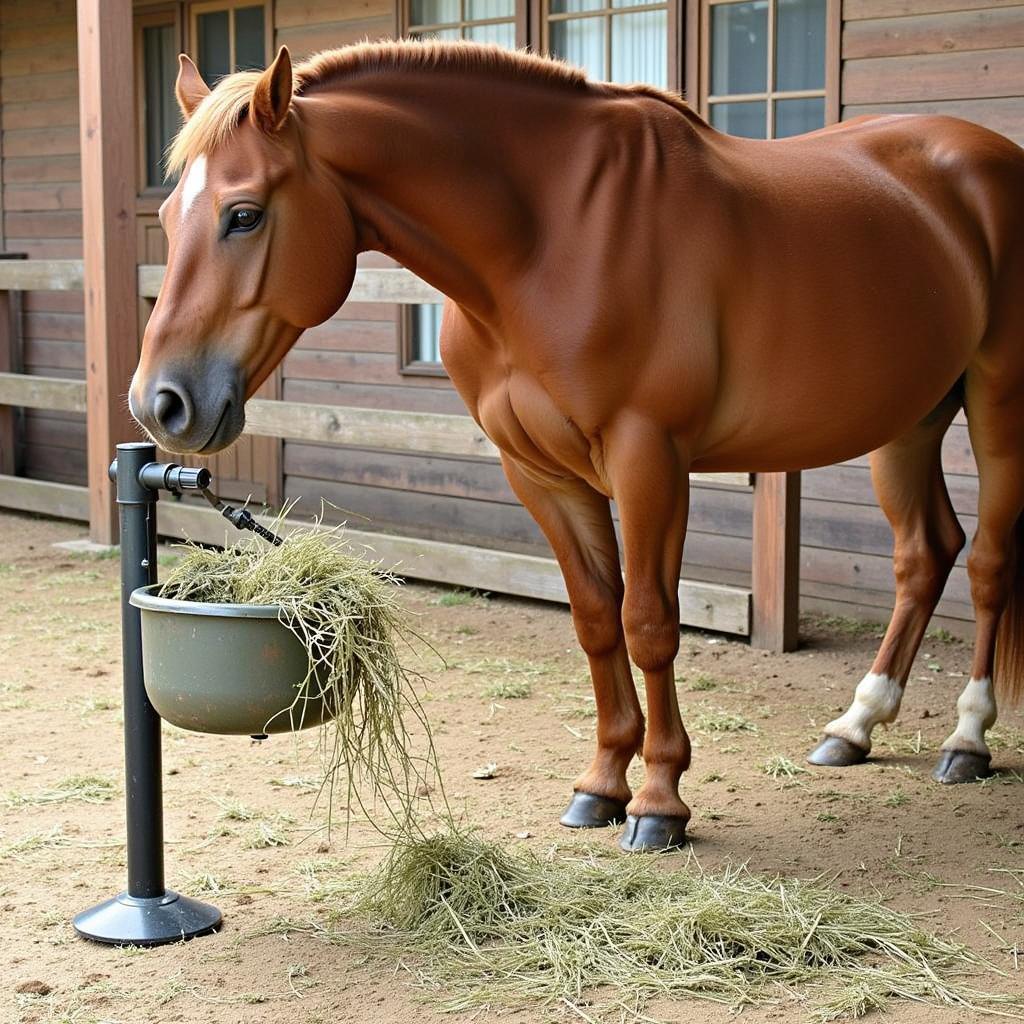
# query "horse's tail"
(1009, 669)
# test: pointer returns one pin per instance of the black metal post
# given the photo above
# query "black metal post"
(147, 913)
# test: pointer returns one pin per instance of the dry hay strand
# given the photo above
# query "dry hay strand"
(480, 925)
(344, 611)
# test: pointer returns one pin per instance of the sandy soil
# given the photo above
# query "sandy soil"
(884, 829)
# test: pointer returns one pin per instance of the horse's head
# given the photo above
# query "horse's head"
(262, 245)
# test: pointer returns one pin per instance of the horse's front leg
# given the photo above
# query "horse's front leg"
(651, 486)
(577, 523)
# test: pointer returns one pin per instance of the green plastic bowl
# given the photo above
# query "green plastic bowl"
(233, 669)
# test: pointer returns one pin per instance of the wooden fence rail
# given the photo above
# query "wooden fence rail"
(768, 615)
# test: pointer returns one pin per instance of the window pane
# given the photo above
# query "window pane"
(800, 45)
(434, 12)
(250, 41)
(426, 334)
(749, 119)
(160, 68)
(214, 45)
(503, 35)
(438, 33)
(739, 48)
(794, 117)
(580, 41)
(574, 6)
(477, 10)
(640, 48)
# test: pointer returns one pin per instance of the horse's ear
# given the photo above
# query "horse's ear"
(272, 94)
(190, 87)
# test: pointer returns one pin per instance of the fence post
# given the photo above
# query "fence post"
(107, 125)
(10, 362)
(775, 573)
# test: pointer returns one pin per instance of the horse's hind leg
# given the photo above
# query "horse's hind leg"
(578, 524)
(907, 475)
(995, 417)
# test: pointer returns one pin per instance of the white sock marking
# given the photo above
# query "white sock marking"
(195, 182)
(976, 708)
(876, 699)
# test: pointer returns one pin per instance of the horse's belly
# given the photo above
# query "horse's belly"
(812, 419)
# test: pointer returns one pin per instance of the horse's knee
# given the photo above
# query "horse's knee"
(651, 624)
(596, 615)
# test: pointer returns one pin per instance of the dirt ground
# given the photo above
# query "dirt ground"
(242, 831)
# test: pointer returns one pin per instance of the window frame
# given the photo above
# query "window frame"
(520, 19)
(698, 63)
(407, 365)
(541, 18)
(198, 7)
(153, 16)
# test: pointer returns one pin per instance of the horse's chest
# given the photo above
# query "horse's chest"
(536, 429)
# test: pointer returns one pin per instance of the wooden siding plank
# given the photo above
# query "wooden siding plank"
(306, 40)
(44, 224)
(1003, 114)
(937, 76)
(301, 13)
(934, 33)
(352, 335)
(58, 85)
(41, 142)
(66, 196)
(41, 114)
(35, 169)
(855, 10)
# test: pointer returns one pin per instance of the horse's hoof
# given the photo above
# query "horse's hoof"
(962, 766)
(653, 833)
(587, 810)
(835, 752)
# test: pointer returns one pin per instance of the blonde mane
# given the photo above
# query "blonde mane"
(223, 109)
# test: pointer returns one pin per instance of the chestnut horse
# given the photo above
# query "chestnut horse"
(632, 296)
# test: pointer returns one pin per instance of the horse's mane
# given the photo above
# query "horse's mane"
(219, 113)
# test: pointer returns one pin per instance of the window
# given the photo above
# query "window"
(483, 21)
(223, 37)
(157, 42)
(617, 40)
(765, 67)
(228, 37)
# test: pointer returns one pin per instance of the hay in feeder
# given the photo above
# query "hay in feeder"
(481, 925)
(344, 611)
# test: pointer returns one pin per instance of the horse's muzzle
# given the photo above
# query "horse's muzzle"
(186, 421)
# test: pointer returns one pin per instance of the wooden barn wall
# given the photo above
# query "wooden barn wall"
(959, 56)
(42, 211)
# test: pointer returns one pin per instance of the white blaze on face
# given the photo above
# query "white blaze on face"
(876, 699)
(976, 709)
(195, 182)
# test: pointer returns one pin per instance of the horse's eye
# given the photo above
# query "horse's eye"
(244, 219)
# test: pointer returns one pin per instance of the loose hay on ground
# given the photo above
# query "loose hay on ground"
(481, 925)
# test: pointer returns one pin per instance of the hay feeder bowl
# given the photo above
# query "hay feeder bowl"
(233, 669)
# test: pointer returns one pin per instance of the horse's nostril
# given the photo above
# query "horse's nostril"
(172, 411)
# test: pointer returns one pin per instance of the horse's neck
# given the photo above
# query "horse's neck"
(451, 180)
